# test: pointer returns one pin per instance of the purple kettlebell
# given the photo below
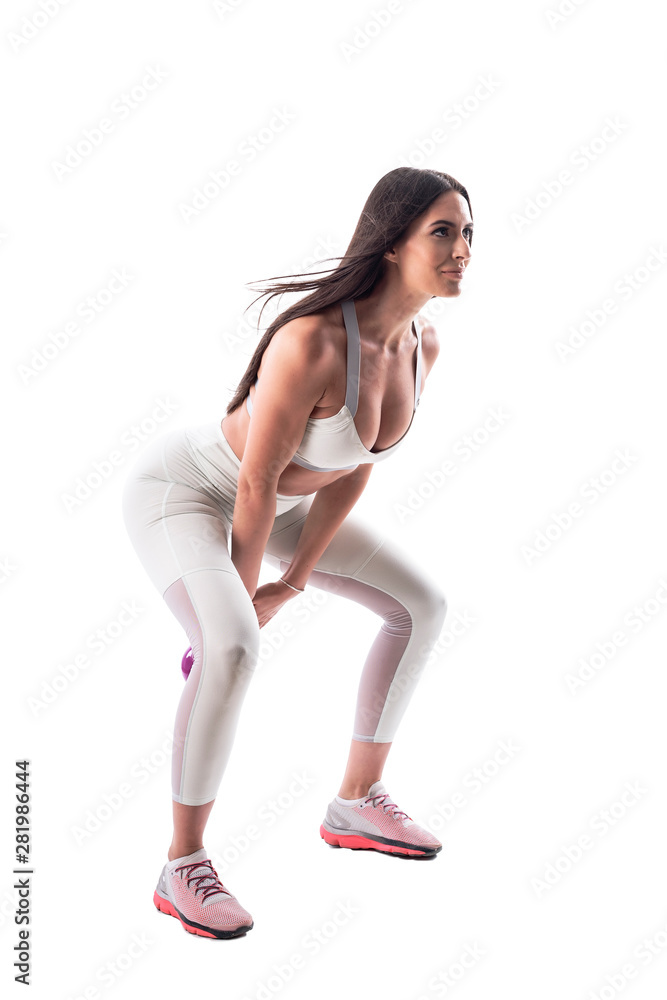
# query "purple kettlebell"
(186, 662)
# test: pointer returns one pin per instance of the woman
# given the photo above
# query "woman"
(332, 388)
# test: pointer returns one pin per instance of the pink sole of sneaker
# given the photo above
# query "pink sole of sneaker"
(165, 906)
(357, 843)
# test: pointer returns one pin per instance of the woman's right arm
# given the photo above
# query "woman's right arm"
(298, 367)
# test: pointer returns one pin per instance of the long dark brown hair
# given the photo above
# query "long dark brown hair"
(396, 200)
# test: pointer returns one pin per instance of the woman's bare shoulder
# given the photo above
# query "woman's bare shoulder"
(316, 337)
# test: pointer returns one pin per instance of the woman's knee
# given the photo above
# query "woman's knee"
(237, 660)
(229, 649)
(429, 604)
(221, 625)
(393, 571)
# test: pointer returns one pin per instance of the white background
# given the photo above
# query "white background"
(364, 99)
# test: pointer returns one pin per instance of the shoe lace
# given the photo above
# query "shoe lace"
(206, 890)
(387, 805)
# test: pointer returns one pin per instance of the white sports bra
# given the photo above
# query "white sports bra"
(332, 443)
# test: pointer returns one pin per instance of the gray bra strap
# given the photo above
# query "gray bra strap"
(353, 355)
(418, 373)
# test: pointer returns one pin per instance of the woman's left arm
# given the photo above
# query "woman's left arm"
(327, 512)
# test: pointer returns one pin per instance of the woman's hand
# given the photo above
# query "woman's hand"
(269, 598)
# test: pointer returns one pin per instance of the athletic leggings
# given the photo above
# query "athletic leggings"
(178, 503)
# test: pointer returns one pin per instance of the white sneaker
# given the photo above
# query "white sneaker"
(375, 823)
(189, 889)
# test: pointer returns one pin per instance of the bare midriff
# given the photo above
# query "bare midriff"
(294, 480)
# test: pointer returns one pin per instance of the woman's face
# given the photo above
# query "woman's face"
(435, 251)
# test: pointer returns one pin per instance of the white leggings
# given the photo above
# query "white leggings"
(178, 503)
